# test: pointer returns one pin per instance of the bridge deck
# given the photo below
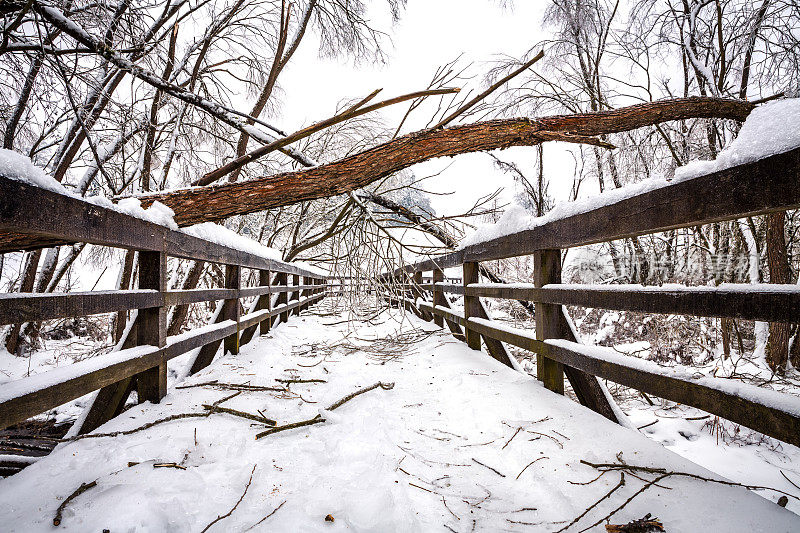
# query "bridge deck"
(440, 451)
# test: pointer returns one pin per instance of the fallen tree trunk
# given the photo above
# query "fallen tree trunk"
(218, 202)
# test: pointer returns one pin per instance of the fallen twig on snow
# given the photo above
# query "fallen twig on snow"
(151, 424)
(662, 474)
(652, 470)
(319, 419)
(448, 508)
(233, 386)
(489, 467)
(168, 465)
(290, 381)
(558, 442)
(241, 414)
(607, 495)
(140, 428)
(423, 488)
(80, 490)
(226, 515)
(789, 480)
(270, 514)
(642, 525)
(512, 438)
(529, 464)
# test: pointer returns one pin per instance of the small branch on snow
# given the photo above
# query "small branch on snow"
(665, 473)
(319, 419)
(226, 515)
(512, 438)
(151, 424)
(661, 475)
(789, 480)
(233, 386)
(644, 524)
(242, 414)
(140, 428)
(290, 381)
(607, 495)
(448, 508)
(423, 488)
(80, 490)
(169, 465)
(270, 514)
(489, 467)
(529, 464)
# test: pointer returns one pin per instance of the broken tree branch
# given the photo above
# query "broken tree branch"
(226, 515)
(499, 83)
(241, 414)
(170, 418)
(319, 419)
(80, 490)
(352, 112)
(218, 202)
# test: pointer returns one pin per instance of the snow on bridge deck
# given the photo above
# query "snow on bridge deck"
(440, 452)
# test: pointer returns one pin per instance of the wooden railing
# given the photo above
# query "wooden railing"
(141, 363)
(768, 185)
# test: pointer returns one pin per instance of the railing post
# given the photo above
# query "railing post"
(305, 293)
(264, 302)
(231, 308)
(151, 385)
(282, 279)
(416, 292)
(471, 305)
(547, 269)
(295, 293)
(438, 295)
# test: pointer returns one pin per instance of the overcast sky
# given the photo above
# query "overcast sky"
(429, 34)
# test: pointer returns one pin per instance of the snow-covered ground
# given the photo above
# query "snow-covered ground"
(461, 443)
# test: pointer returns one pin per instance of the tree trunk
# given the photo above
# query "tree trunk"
(180, 312)
(193, 206)
(121, 318)
(28, 278)
(214, 203)
(778, 343)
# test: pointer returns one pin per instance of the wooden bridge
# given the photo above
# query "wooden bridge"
(764, 186)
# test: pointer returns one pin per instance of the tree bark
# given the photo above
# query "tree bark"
(778, 344)
(181, 312)
(121, 318)
(29, 277)
(193, 206)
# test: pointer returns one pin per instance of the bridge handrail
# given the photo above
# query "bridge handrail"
(767, 185)
(140, 364)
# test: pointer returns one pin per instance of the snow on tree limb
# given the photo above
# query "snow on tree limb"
(204, 204)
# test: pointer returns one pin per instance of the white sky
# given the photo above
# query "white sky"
(430, 34)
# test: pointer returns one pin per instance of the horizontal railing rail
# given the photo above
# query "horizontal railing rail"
(140, 363)
(30, 210)
(27, 397)
(763, 301)
(746, 405)
(768, 185)
(28, 307)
